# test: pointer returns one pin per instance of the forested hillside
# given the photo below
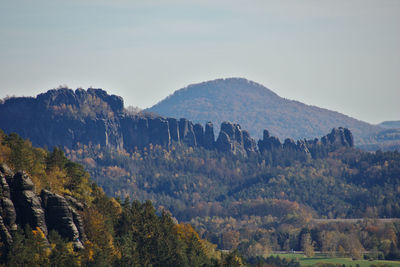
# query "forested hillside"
(262, 202)
(133, 233)
(110, 233)
(256, 108)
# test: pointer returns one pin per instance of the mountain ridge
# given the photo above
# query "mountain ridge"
(263, 108)
(67, 118)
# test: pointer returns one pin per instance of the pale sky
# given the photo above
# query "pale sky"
(343, 55)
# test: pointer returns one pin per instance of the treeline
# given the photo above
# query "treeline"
(258, 203)
(128, 233)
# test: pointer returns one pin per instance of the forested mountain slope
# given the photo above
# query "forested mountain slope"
(255, 108)
(390, 124)
(51, 214)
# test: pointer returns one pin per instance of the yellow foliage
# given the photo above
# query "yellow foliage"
(5, 152)
(88, 252)
(57, 180)
(210, 249)
(39, 233)
(97, 231)
(116, 206)
(186, 232)
(70, 248)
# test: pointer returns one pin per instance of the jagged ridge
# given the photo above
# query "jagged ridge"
(61, 118)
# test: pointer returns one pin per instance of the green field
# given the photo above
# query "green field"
(347, 261)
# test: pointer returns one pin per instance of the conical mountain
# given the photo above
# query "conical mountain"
(255, 108)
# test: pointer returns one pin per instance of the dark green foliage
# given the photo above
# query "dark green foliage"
(60, 254)
(56, 158)
(147, 239)
(22, 156)
(28, 249)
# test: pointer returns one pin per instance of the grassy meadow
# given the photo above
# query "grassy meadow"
(321, 258)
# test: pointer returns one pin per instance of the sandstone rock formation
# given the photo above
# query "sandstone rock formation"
(209, 139)
(268, 143)
(20, 206)
(199, 134)
(339, 137)
(27, 203)
(186, 132)
(174, 129)
(66, 118)
(8, 215)
(235, 140)
(60, 217)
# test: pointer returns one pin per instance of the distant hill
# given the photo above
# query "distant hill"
(255, 108)
(390, 124)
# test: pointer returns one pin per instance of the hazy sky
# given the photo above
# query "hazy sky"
(342, 55)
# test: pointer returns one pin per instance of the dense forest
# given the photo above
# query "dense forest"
(128, 233)
(264, 202)
(134, 233)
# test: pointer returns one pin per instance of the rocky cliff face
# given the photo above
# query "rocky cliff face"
(235, 140)
(65, 118)
(21, 206)
(339, 137)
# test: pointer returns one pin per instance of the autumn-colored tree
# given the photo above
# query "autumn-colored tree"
(232, 259)
(341, 251)
(100, 235)
(329, 242)
(307, 245)
(230, 239)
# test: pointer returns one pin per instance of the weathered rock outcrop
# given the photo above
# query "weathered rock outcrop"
(64, 118)
(21, 206)
(159, 132)
(339, 137)
(139, 132)
(233, 139)
(8, 215)
(60, 217)
(186, 132)
(249, 143)
(199, 134)
(67, 118)
(174, 129)
(27, 203)
(224, 143)
(269, 143)
(134, 132)
(209, 139)
(302, 146)
(289, 144)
